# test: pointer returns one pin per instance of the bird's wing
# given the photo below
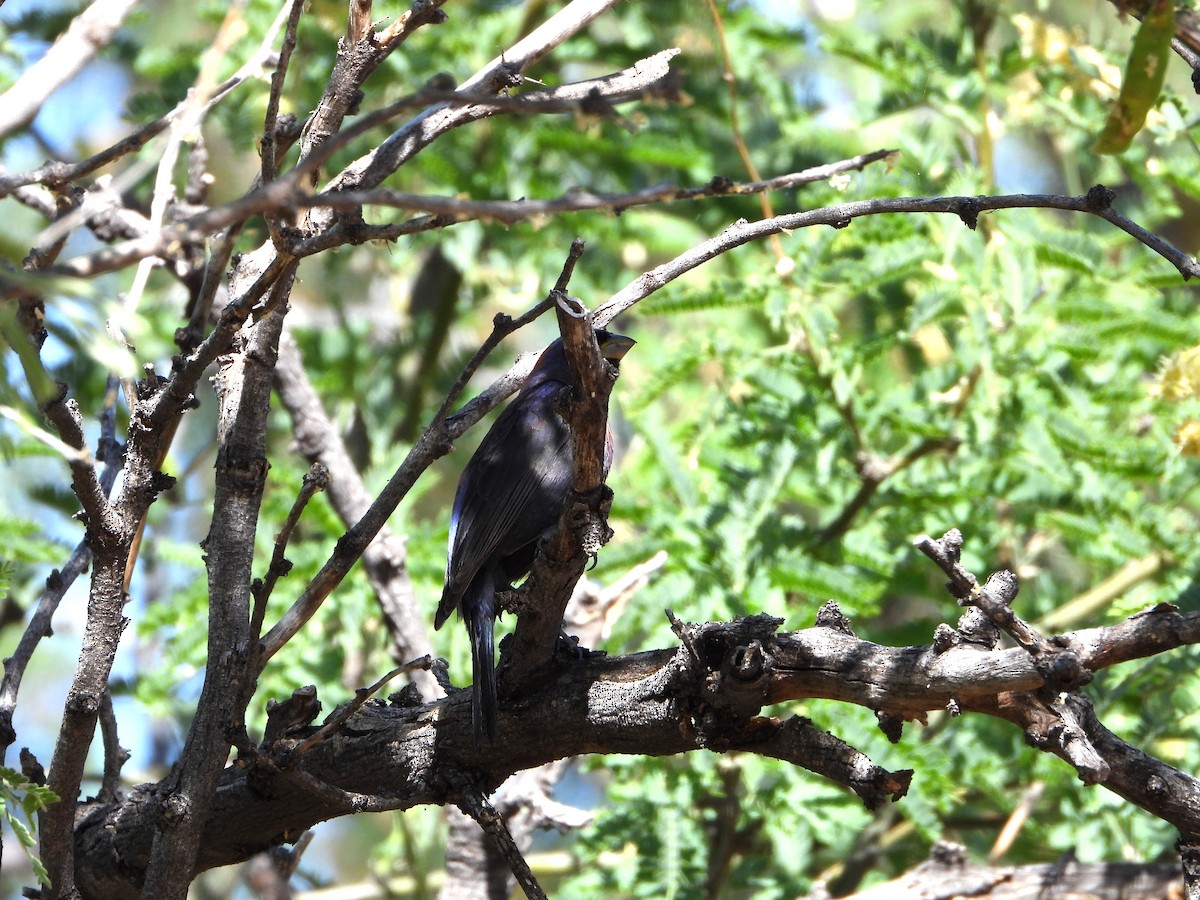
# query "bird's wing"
(510, 491)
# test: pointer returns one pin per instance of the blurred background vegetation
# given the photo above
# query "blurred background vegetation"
(1007, 375)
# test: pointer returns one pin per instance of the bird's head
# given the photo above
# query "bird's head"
(552, 364)
(613, 346)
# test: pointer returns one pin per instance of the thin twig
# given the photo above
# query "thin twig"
(839, 216)
(502, 327)
(115, 756)
(994, 599)
(735, 125)
(201, 305)
(509, 212)
(270, 120)
(316, 479)
(344, 713)
(872, 473)
(473, 802)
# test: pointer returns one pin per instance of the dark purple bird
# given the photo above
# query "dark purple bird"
(509, 497)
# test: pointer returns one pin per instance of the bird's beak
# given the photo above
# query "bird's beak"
(615, 346)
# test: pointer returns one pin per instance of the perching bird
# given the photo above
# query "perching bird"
(509, 497)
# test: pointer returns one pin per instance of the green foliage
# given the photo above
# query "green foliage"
(20, 801)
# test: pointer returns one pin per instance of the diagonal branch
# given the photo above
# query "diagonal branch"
(434, 442)
(88, 32)
(385, 558)
(502, 72)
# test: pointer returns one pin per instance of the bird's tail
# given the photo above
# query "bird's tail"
(481, 624)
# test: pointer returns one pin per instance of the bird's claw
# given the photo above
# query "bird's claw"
(569, 646)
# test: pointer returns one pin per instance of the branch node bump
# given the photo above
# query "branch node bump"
(892, 726)
(1100, 198)
(968, 211)
(830, 615)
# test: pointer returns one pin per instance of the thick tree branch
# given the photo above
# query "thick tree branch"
(244, 387)
(949, 875)
(651, 703)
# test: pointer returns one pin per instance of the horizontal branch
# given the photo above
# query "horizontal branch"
(705, 694)
(1095, 202)
(88, 32)
(510, 212)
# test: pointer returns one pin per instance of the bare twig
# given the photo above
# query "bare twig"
(473, 802)
(994, 599)
(315, 479)
(509, 212)
(115, 756)
(735, 125)
(873, 472)
(343, 713)
(1095, 202)
(592, 96)
(201, 304)
(189, 107)
(271, 119)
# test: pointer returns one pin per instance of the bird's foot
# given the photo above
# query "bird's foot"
(509, 600)
(568, 647)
